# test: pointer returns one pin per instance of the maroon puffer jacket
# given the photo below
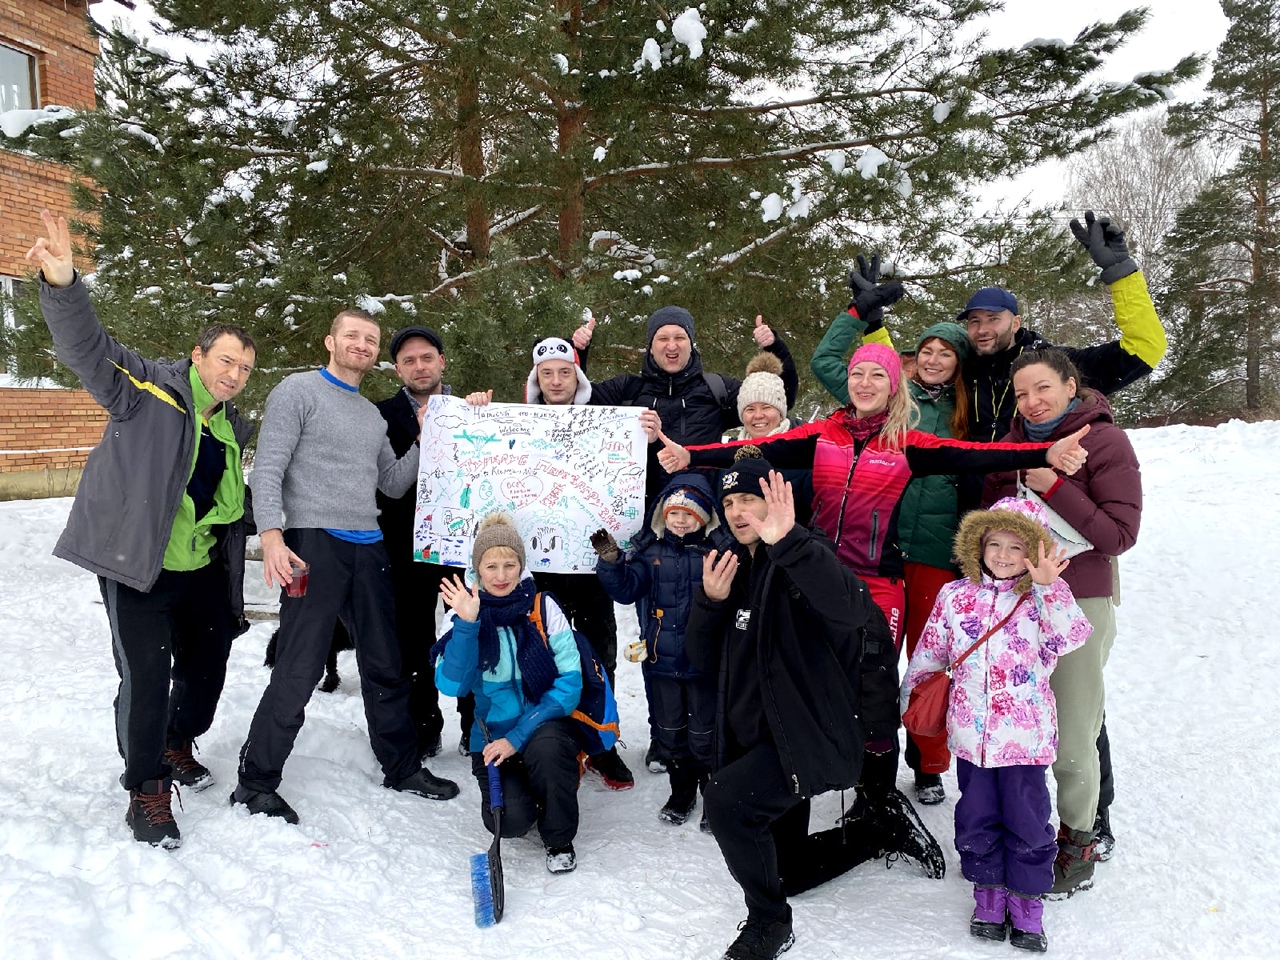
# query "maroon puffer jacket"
(1103, 500)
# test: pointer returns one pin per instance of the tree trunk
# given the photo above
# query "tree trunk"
(471, 157)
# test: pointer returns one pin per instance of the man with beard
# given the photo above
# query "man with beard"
(322, 453)
(418, 355)
(806, 677)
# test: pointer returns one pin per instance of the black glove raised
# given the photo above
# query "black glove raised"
(604, 545)
(1106, 246)
(869, 297)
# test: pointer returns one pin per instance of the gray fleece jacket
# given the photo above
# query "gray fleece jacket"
(322, 454)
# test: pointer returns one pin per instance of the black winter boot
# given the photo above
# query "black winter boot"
(907, 835)
(425, 784)
(1104, 841)
(150, 815)
(684, 793)
(186, 769)
(929, 789)
(615, 774)
(762, 940)
(266, 802)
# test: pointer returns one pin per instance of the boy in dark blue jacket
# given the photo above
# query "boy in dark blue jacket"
(661, 577)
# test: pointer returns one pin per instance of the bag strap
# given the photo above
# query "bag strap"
(987, 636)
(536, 616)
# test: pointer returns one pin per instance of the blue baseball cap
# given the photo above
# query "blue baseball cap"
(990, 298)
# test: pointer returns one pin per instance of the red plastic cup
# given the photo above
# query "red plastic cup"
(297, 587)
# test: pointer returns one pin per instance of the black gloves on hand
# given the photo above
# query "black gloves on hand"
(604, 545)
(1106, 246)
(870, 298)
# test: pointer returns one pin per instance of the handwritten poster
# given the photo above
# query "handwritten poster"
(562, 472)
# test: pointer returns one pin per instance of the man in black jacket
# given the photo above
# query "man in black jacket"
(807, 677)
(694, 407)
(159, 518)
(418, 354)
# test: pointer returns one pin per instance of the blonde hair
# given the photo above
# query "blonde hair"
(903, 416)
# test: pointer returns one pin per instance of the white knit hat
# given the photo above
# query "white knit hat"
(763, 384)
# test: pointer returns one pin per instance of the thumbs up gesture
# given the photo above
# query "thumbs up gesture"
(763, 333)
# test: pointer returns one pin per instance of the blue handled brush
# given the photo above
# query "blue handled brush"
(486, 868)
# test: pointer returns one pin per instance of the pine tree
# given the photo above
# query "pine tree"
(1228, 289)
(494, 168)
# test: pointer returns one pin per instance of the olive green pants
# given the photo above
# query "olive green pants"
(1081, 694)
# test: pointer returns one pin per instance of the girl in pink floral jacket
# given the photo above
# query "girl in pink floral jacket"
(1001, 720)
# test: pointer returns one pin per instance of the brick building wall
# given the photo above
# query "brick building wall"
(45, 436)
(56, 33)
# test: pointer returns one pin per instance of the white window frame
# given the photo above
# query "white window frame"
(32, 56)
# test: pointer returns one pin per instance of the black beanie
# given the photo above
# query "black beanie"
(678, 316)
(749, 468)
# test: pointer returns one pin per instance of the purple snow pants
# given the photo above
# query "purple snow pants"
(1002, 828)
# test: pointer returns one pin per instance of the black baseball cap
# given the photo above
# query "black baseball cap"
(426, 333)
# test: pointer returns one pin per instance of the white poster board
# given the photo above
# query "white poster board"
(562, 472)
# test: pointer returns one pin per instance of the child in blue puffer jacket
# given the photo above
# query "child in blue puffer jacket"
(661, 576)
(525, 690)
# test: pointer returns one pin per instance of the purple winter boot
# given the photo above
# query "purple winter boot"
(1025, 915)
(988, 921)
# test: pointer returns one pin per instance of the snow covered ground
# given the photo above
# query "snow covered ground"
(371, 874)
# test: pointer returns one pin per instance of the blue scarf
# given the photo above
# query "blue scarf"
(1040, 432)
(534, 657)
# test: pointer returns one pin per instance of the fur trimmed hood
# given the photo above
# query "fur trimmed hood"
(1023, 518)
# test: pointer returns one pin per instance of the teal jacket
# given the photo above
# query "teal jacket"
(930, 509)
(500, 698)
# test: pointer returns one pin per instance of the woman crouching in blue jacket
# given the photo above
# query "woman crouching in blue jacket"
(525, 689)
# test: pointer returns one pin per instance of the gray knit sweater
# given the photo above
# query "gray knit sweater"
(322, 452)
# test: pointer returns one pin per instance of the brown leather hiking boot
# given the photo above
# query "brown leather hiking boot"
(1073, 868)
(187, 770)
(150, 816)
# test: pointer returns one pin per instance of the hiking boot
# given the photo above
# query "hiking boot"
(266, 802)
(759, 940)
(464, 746)
(150, 816)
(422, 783)
(653, 759)
(1104, 841)
(929, 790)
(684, 793)
(1026, 926)
(562, 859)
(907, 836)
(432, 749)
(185, 768)
(615, 773)
(1073, 868)
(990, 913)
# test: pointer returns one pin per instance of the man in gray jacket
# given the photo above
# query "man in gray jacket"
(158, 517)
(322, 456)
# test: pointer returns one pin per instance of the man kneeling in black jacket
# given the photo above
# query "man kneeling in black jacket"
(807, 678)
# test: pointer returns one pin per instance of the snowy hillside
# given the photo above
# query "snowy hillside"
(1192, 712)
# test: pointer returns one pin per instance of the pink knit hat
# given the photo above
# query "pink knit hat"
(887, 357)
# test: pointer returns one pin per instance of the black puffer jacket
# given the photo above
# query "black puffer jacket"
(827, 667)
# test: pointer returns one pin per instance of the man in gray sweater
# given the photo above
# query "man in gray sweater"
(322, 454)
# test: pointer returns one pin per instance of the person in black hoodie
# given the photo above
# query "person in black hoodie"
(807, 673)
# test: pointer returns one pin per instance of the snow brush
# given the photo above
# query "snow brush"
(486, 868)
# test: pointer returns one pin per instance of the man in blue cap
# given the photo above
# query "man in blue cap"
(995, 329)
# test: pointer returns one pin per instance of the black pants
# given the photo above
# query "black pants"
(763, 831)
(539, 786)
(1107, 783)
(684, 717)
(589, 609)
(417, 590)
(170, 646)
(351, 580)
